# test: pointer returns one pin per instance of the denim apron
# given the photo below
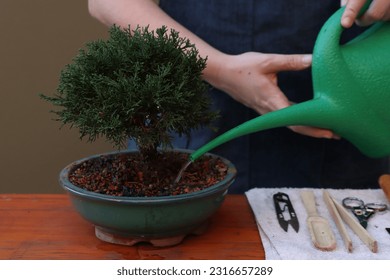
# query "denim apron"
(276, 157)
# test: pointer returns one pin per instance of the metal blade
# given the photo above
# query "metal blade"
(283, 224)
(279, 211)
(282, 202)
(294, 223)
(293, 217)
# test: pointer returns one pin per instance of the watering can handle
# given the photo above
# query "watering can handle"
(364, 8)
(333, 25)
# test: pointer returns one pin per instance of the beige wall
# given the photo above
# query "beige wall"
(37, 39)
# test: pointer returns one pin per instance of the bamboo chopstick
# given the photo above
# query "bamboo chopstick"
(355, 226)
(338, 221)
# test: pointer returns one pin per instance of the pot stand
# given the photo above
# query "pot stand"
(115, 238)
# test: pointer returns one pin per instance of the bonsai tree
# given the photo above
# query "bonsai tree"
(138, 84)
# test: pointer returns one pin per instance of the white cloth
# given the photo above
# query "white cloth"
(291, 245)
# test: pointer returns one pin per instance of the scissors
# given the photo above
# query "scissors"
(282, 203)
(361, 210)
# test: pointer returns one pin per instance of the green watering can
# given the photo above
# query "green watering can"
(351, 85)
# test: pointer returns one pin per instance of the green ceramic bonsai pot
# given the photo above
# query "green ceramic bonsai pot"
(162, 221)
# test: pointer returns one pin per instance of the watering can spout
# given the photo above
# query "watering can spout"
(305, 113)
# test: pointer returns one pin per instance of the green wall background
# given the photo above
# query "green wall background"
(38, 38)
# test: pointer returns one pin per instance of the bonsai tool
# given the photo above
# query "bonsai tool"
(320, 231)
(282, 203)
(361, 210)
(351, 85)
(384, 183)
(340, 214)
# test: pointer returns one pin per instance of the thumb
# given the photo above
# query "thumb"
(291, 62)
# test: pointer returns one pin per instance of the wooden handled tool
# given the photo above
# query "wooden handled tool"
(320, 231)
(384, 183)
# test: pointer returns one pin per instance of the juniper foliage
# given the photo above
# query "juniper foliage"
(138, 84)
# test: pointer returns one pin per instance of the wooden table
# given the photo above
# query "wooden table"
(45, 226)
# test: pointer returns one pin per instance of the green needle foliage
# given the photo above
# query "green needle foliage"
(138, 84)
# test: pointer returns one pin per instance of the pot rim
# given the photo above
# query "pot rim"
(75, 190)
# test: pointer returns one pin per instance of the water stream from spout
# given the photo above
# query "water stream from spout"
(185, 166)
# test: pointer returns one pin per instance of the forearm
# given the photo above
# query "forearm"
(147, 12)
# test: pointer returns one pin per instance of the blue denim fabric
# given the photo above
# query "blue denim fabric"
(277, 157)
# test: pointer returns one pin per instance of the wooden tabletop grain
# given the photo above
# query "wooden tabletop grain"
(46, 227)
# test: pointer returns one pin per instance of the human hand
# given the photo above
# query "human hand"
(379, 10)
(251, 79)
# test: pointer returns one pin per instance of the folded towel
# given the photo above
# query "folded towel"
(291, 245)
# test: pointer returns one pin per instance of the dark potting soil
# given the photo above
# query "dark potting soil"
(127, 175)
